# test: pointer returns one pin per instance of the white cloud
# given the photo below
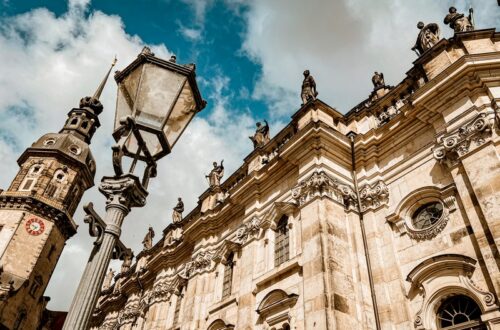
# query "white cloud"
(49, 63)
(341, 42)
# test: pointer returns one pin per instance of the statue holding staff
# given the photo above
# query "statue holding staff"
(459, 22)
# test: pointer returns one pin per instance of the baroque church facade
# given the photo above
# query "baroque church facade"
(385, 217)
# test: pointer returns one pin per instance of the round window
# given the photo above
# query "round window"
(427, 215)
(49, 142)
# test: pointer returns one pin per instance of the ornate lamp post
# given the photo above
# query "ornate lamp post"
(156, 101)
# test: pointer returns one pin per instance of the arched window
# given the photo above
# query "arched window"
(228, 276)
(31, 177)
(281, 247)
(459, 312)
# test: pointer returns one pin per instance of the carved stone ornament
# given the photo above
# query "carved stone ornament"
(248, 230)
(374, 196)
(320, 184)
(450, 147)
(165, 287)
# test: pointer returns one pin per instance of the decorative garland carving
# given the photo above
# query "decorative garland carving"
(321, 184)
(374, 196)
(452, 146)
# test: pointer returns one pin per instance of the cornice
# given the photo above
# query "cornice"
(62, 219)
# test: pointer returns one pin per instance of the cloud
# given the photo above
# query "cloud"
(341, 42)
(49, 63)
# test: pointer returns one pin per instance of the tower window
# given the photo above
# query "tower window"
(27, 184)
(37, 283)
(228, 276)
(51, 252)
(85, 124)
(459, 311)
(281, 248)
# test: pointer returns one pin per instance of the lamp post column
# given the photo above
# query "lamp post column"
(122, 193)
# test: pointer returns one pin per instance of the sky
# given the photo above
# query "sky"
(249, 55)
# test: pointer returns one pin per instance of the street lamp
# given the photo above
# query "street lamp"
(156, 101)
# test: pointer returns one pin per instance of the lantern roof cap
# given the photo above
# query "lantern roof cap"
(188, 70)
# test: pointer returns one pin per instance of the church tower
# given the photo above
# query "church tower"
(36, 212)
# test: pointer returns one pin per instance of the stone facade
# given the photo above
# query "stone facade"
(318, 231)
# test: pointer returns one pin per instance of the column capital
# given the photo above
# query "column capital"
(452, 146)
(125, 191)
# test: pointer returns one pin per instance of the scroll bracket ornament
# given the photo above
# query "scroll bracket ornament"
(373, 196)
(458, 143)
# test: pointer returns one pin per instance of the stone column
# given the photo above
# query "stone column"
(122, 193)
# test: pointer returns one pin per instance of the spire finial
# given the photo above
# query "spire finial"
(98, 92)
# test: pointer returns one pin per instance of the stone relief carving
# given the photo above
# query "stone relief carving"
(247, 230)
(320, 184)
(450, 147)
(374, 196)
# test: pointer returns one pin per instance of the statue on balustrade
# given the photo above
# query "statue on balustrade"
(108, 279)
(261, 136)
(459, 22)
(215, 174)
(178, 209)
(148, 239)
(427, 37)
(127, 262)
(309, 91)
(378, 80)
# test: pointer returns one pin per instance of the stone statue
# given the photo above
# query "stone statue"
(378, 80)
(178, 209)
(458, 22)
(148, 239)
(108, 279)
(127, 262)
(261, 136)
(309, 91)
(427, 37)
(216, 174)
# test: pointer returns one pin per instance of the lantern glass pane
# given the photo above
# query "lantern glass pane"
(181, 115)
(151, 140)
(127, 90)
(158, 90)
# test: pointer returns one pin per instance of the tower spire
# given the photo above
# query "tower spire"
(99, 90)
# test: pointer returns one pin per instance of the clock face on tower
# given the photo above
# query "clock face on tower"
(35, 226)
